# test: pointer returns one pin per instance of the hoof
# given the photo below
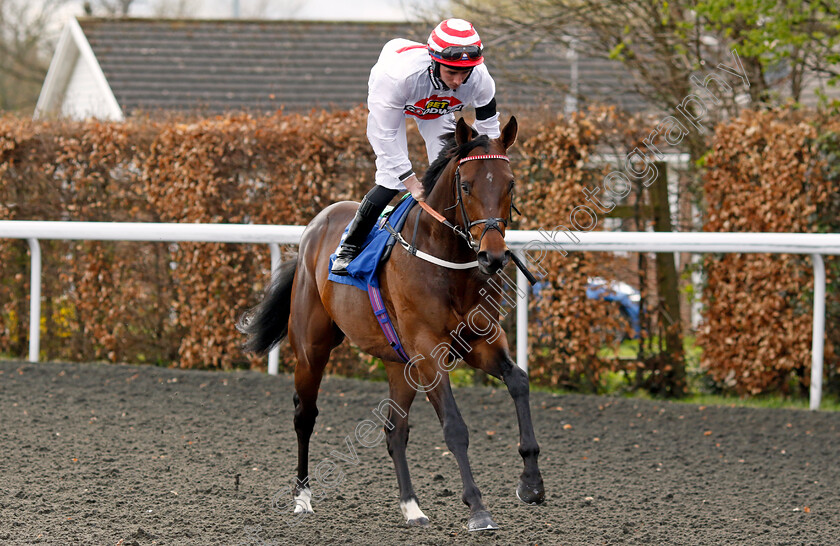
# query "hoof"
(419, 522)
(302, 508)
(481, 521)
(414, 517)
(303, 502)
(534, 494)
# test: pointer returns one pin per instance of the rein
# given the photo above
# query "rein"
(464, 231)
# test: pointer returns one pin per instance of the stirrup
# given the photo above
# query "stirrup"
(366, 216)
(343, 258)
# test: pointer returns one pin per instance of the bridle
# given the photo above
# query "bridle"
(464, 231)
(489, 223)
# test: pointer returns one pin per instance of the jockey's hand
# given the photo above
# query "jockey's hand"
(413, 185)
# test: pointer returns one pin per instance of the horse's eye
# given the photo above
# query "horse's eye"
(465, 187)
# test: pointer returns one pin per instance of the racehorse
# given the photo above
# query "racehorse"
(442, 315)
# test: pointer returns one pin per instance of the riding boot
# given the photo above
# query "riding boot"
(369, 210)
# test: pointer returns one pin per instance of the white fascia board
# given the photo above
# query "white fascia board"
(56, 78)
(73, 42)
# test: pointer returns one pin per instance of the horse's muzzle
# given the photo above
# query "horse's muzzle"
(489, 262)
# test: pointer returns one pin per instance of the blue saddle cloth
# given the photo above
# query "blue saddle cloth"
(363, 270)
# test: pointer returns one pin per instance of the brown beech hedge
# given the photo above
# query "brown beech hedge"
(176, 304)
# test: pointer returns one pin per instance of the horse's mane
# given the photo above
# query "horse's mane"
(450, 149)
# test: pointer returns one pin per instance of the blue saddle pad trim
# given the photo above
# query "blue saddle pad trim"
(363, 270)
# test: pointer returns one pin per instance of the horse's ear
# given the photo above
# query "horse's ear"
(463, 132)
(509, 132)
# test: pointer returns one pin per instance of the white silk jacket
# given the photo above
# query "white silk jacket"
(402, 85)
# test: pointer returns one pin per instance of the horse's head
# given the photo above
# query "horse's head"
(484, 184)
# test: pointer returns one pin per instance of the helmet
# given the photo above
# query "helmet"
(455, 43)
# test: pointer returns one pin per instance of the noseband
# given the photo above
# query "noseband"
(489, 223)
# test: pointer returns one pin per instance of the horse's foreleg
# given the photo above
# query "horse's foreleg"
(530, 488)
(457, 439)
(396, 434)
(497, 362)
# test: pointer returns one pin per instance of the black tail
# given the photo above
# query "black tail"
(267, 324)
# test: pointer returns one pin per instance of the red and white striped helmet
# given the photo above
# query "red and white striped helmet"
(455, 43)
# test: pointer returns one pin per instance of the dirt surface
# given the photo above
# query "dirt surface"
(101, 454)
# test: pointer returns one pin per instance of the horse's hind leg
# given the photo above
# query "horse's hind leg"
(312, 334)
(307, 379)
(396, 434)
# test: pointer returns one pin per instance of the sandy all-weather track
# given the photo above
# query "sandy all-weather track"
(102, 454)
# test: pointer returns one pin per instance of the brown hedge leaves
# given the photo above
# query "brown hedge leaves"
(766, 173)
(178, 303)
(163, 302)
(567, 330)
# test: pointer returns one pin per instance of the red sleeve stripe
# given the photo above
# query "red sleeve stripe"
(406, 48)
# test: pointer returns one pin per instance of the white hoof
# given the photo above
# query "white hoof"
(414, 517)
(303, 502)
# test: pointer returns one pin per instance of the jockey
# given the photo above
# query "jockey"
(429, 83)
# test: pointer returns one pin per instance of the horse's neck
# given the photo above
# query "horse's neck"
(446, 244)
(465, 286)
(439, 240)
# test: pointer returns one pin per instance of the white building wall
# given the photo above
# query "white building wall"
(83, 98)
(815, 83)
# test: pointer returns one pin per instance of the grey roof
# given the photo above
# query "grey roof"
(219, 65)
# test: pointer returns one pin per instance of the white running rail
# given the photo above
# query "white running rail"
(814, 244)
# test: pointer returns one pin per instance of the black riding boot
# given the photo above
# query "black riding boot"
(369, 210)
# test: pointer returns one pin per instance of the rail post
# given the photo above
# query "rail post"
(34, 299)
(522, 320)
(274, 354)
(818, 332)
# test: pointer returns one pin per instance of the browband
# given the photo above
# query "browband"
(484, 156)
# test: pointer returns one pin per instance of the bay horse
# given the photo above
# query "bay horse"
(433, 310)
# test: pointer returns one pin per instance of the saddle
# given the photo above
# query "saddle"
(363, 271)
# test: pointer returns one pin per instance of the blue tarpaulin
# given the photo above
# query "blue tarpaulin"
(600, 291)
